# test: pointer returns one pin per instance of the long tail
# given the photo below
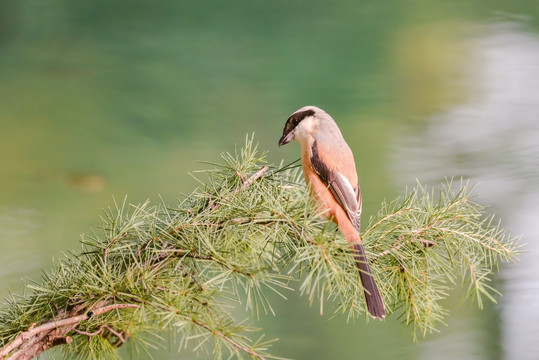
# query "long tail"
(375, 304)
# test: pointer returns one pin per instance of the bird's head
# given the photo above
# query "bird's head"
(301, 124)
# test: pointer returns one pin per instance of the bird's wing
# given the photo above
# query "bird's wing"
(347, 195)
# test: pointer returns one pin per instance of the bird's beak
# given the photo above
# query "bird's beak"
(286, 138)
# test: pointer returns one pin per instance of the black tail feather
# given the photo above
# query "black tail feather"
(375, 304)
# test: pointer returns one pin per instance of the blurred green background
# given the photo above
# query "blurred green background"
(107, 98)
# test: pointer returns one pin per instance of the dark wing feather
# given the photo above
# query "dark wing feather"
(346, 195)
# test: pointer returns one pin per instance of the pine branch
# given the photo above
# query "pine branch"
(54, 332)
(250, 229)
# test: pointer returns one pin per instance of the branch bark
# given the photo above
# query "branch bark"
(36, 340)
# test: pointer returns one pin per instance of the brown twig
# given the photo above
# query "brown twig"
(192, 276)
(257, 175)
(118, 335)
(38, 339)
(242, 178)
(121, 338)
(90, 334)
(245, 184)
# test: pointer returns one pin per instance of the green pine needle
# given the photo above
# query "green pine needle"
(237, 238)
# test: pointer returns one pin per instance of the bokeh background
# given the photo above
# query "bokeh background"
(107, 98)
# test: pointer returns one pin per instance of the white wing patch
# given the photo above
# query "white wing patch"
(345, 194)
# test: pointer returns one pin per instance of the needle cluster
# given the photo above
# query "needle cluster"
(248, 230)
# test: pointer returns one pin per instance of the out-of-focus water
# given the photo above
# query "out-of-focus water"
(102, 99)
(493, 139)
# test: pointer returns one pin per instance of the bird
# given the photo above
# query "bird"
(330, 174)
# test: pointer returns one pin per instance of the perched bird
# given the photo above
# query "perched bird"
(330, 173)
